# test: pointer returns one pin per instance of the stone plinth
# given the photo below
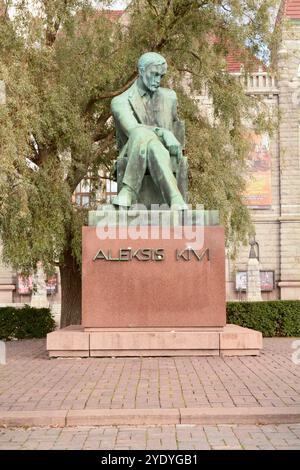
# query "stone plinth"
(231, 340)
(39, 296)
(71, 341)
(253, 281)
(155, 291)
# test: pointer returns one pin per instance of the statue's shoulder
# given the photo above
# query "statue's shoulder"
(168, 93)
(120, 99)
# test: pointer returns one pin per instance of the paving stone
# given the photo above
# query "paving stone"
(32, 382)
(37, 383)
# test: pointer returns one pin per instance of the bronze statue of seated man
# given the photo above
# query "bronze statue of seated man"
(146, 117)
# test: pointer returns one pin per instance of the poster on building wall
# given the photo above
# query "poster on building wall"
(241, 280)
(267, 281)
(51, 285)
(24, 285)
(258, 194)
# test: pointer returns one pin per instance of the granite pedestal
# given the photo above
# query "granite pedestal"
(158, 291)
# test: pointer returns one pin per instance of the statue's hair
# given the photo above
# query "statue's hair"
(150, 58)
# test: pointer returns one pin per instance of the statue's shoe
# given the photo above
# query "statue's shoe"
(124, 198)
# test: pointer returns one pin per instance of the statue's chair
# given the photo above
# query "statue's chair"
(149, 192)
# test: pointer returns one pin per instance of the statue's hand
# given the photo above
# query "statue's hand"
(171, 143)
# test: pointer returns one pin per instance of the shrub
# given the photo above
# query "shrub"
(26, 322)
(8, 322)
(272, 318)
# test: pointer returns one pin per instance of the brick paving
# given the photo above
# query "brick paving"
(30, 381)
(179, 437)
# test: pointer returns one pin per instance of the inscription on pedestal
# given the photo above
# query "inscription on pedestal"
(150, 254)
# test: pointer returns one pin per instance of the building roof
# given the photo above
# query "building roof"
(233, 59)
(113, 15)
(291, 9)
(234, 63)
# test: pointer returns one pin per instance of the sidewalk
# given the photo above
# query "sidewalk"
(182, 390)
(185, 437)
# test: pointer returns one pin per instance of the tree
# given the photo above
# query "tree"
(63, 61)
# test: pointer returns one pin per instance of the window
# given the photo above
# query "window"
(111, 190)
(82, 193)
(90, 191)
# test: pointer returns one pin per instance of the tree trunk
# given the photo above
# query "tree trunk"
(70, 275)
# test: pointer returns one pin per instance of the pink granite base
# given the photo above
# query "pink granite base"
(231, 340)
(173, 292)
(173, 305)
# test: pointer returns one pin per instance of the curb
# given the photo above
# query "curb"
(33, 418)
(150, 417)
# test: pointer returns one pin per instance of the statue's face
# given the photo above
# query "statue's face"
(152, 76)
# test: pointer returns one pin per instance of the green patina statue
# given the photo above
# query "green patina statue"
(147, 127)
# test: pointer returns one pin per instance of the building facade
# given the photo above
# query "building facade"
(278, 226)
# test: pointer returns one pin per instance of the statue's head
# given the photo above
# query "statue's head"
(152, 67)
